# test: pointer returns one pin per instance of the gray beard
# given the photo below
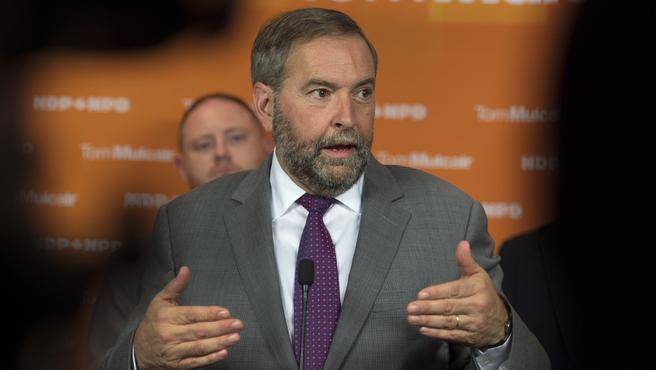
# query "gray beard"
(327, 177)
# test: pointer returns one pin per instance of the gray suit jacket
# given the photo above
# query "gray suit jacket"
(411, 223)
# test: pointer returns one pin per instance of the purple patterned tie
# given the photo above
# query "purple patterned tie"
(323, 304)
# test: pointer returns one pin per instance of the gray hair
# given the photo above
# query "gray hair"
(276, 38)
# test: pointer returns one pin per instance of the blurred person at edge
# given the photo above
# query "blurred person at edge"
(561, 277)
(218, 135)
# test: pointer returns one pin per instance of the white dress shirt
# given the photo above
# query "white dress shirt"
(288, 220)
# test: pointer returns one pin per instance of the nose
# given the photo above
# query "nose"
(220, 150)
(344, 112)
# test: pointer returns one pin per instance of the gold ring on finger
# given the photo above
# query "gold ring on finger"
(457, 321)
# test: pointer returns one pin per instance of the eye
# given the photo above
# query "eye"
(365, 93)
(202, 145)
(236, 138)
(319, 93)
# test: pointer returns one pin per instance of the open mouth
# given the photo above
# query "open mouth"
(339, 151)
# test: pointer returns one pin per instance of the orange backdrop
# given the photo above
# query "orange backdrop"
(465, 91)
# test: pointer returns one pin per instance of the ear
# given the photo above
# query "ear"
(263, 104)
(179, 165)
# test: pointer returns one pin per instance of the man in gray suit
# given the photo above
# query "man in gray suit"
(414, 274)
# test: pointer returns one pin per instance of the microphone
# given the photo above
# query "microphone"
(305, 279)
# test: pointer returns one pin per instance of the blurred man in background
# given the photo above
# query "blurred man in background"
(219, 135)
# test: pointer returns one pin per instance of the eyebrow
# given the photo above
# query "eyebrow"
(232, 130)
(332, 86)
(367, 81)
(199, 138)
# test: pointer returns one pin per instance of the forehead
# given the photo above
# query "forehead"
(339, 59)
(217, 115)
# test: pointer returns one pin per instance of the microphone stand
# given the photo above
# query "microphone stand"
(304, 304)
(305, 279)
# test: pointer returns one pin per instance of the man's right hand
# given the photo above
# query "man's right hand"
(183, 337)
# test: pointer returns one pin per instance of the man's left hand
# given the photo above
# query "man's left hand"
(467, 310)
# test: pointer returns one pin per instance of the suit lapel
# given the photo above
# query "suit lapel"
(381, 228)
(249, 230)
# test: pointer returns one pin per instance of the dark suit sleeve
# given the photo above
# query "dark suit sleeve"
(159, 270)
(525, 351)
(117, 298)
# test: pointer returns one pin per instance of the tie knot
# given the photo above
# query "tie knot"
(315, 203)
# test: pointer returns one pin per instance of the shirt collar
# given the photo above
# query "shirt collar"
(285, 192)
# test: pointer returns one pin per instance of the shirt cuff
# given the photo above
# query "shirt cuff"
(493, 358)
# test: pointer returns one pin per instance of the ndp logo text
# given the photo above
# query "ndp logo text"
(145, 200)
(534, 163)
(58, 243)
(122, 152)
(401, 112)
(48, 199)
(91, 104)
(515, 113)
(499, 210)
